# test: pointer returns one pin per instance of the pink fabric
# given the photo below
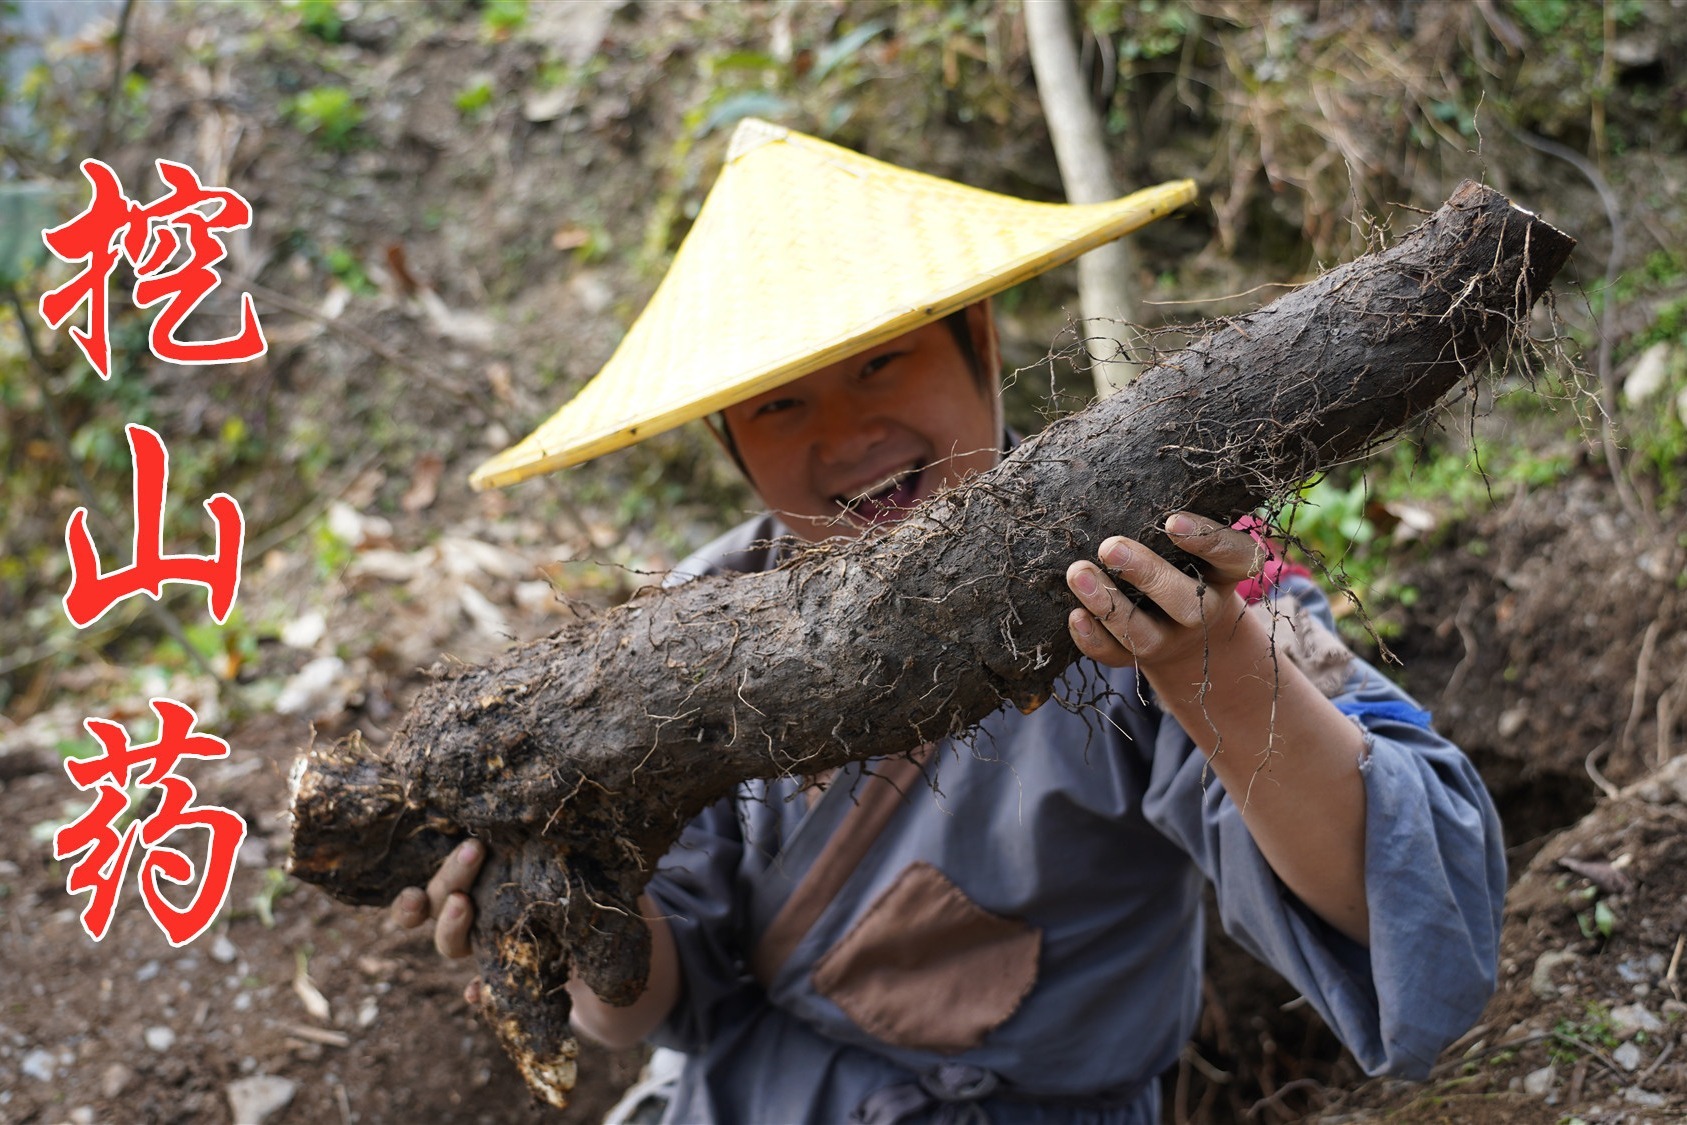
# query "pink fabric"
(1277, 568)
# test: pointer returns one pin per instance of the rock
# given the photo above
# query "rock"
(82, 1115)
(1634, 1095)
(1540, 981)
(114, 1079)
(223, 950)
(1627, 1056)
(1649, 374)
(356, 529)
(160, 1038)
(1539, 1083)
(1629, 1019)
(315, 690)
(253, 1100)
(303, 632)
(38, 1064)
(1665, 785)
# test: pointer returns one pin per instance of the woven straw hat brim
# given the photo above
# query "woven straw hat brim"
(805, 253)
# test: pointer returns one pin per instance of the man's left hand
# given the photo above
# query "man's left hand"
(1195, 613)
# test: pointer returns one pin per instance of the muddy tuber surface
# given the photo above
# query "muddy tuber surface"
(579, 758)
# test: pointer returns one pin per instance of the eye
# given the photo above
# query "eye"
(774, 406)
(877, 364)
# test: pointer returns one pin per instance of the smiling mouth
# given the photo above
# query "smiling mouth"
(889, 500)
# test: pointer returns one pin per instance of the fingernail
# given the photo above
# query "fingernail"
(1081, 622)
(1180, 524)
(468, 853)
(453, 907)
(1115, 554)
(1084, 582)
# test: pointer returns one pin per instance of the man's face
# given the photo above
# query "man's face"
(859, 443)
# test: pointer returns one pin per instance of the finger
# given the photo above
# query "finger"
(1230, 555)
(1095, 642)
(451, 933)
(410, 909)
(1188, 601)
(471, 993)
(457, 873)
(1134, 630)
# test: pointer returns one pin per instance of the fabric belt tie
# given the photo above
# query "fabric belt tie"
(953, 1089)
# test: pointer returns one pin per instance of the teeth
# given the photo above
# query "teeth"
(884, 485)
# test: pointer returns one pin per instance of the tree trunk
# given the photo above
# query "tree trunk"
(1080, 149)
(580, 757)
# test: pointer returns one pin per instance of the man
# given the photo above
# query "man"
(1024, 937)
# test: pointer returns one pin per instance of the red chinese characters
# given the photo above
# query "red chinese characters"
(140, 803)
(108, 847)
(93, 591)
(151, 238)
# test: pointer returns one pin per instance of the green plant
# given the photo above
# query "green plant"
(320, 18)
(1599, 922)
(328, 113)
(475, 98)
(333, 554)
(1570, 1039)
(499, 18)
(347, 268)
(276, 884)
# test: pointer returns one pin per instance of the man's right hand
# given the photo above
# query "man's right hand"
(446, 900)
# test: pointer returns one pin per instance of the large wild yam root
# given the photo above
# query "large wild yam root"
(579, 758)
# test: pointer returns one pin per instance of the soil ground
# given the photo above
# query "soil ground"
(132, 1030)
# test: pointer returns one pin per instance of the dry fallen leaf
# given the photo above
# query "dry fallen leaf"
(1609, 878)
(424, 483)
(570, 236)
(305, 989)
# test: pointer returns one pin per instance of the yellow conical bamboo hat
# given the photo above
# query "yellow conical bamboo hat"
(805, 253)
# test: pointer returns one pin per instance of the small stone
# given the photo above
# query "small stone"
(317, 689)
(1634, 1095)
(1629, 1019)
(253, 1100)
(1627, 1056)
(39, 1065)
(1539, 1082)
(223, 950)
(146, 972)
(1540, 981)
(303, 632)
(114, 1079)
(367, 1011)
(1649, 375)
(160, 1038)
(82, 1115)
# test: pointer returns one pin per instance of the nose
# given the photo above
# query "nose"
(847, 435)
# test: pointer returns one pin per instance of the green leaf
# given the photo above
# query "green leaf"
(839, 51)
(753, 103)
